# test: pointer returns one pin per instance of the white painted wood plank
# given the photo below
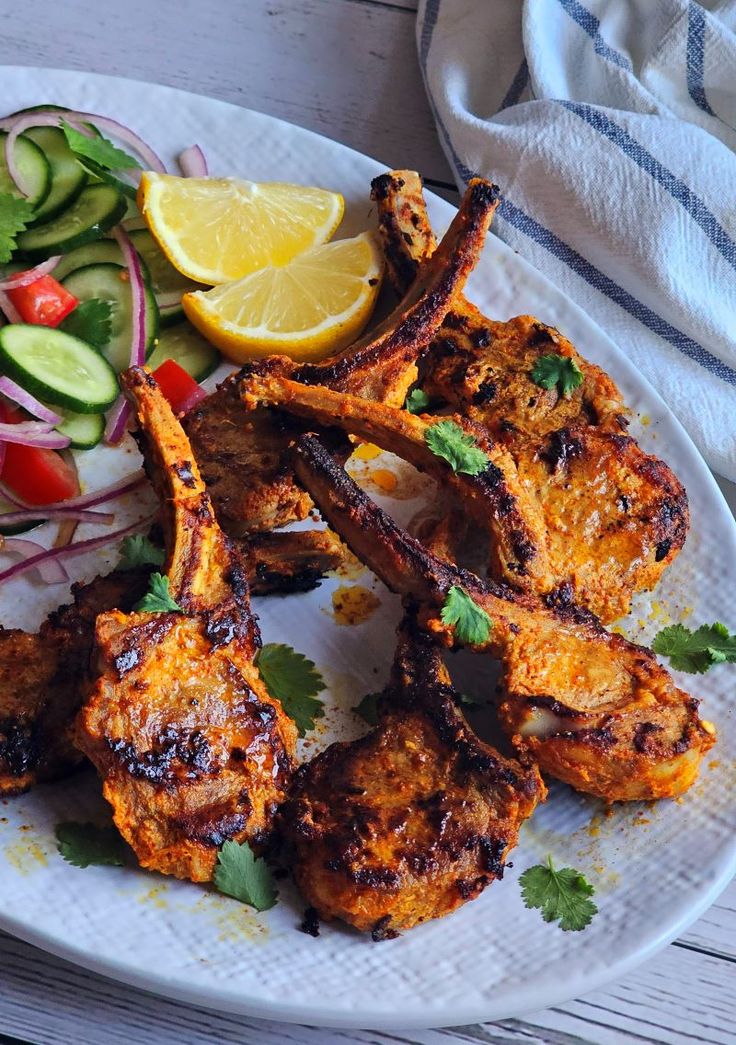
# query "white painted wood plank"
(677, 998)
(346, 69)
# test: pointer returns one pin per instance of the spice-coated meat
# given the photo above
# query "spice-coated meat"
(615, 516)
(592, 708)
(243, 458)
(413, 819)
(191, 748)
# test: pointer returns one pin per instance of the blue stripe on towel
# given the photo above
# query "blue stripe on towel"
(695, 57)
(677, 188)
(587, 21)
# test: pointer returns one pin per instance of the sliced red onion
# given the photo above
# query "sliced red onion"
(85, 500)
(55, 515)
(193, 163)
(7, 306)
(195, 396)
(118, 416)
(34, 557)
(117, 419)
(34, 433)
(24, 279)
(3, 447)
(13, 391)
(39, 559)
(15, 125)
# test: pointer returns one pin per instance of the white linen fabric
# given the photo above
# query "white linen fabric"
(610, 126)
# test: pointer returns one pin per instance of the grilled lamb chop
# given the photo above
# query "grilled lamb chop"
(191, 748)
(243, 458)
(592, 708)
(415, 818)
(615, 516)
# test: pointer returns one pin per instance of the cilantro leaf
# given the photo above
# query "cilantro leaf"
(240, 874)
(14, 216)
(87, 844)
(447, 439)
(293, 680)
(91, 321)
(368, 708)
(138, 550)
(99, 150)
(561, 371)
(559, 895)
(158, 597)
(417, 401)
(470, 622)
(696, 651)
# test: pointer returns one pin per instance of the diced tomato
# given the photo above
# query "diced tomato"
(44, 302)
(181, 390)
(38, 476)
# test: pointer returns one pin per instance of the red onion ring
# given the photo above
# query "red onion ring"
(85, 500)
(45, 514)
(34, 433)
(195, 396)
(49, 570)
(24, 279)
(45, 556)
(193, 163)
(15, 125)
(7, 306)
(13, 391)
(117, 419)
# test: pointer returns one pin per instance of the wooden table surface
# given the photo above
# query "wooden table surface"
(348, 69)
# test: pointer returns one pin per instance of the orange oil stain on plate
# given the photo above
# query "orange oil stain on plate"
(367, 452)
(353, 604)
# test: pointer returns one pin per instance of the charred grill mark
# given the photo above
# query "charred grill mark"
(382, 930)
(662, 549)
(562, 447)
(482, 337)
(20, 746)
(139, 639)
(644, 736)
(176, 756)
(310, 923)
(485, 393)
(183, 469)
(542, 335)
(492, 850)
(213, 829)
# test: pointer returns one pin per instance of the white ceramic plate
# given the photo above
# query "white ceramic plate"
(655, 868)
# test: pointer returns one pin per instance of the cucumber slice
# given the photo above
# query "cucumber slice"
(165, 279)
(110, 283)
(32, 164)
(188, 348)
(99, 252)
(84, 430)
(68, 177)
(91, 215)
(58, 368)
(108, 177)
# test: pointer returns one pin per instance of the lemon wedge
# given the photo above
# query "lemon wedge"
(218, 229)
(316, 304)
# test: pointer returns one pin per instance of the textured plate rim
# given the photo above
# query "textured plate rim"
(521, 999)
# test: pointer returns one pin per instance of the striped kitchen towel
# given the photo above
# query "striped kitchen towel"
(610, 127)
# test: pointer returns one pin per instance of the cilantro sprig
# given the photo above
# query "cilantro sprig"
(91, 321)
(14, 217)
(417, 401)
(556, 370)
(241, 874)
(469, 621)
(158, 597)
(293, 680)
(446, 439)
(98, 149)
(138, 550)
(560, 895)
(696, 651)
(367, 708)
(85, 845)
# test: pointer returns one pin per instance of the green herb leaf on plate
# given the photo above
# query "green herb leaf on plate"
(470, 622)
(14, 216)
(87, 844)
(556, 370)
(446, 439)
(158, 597)
(99, 150)
(293, 680)
(245, 877)
(417, 401)
(139, 550)
(367, 708)
(91, 321)
(562, 895)
(696, 651)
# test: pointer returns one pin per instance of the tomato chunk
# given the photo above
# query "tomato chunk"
(181, 390)
(38, 476)
(44, 302)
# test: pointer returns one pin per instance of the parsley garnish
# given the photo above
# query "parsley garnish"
(99, 150)
(293, 680)
(91, 321)
(368, 708)
(86, 844)
(417, 401)
(447, 439)
(139, 550)
(561, 371)
(559, 895)
(696, 651)
(158, 597)
(14, 216)
(470, 622)
(240, 874)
